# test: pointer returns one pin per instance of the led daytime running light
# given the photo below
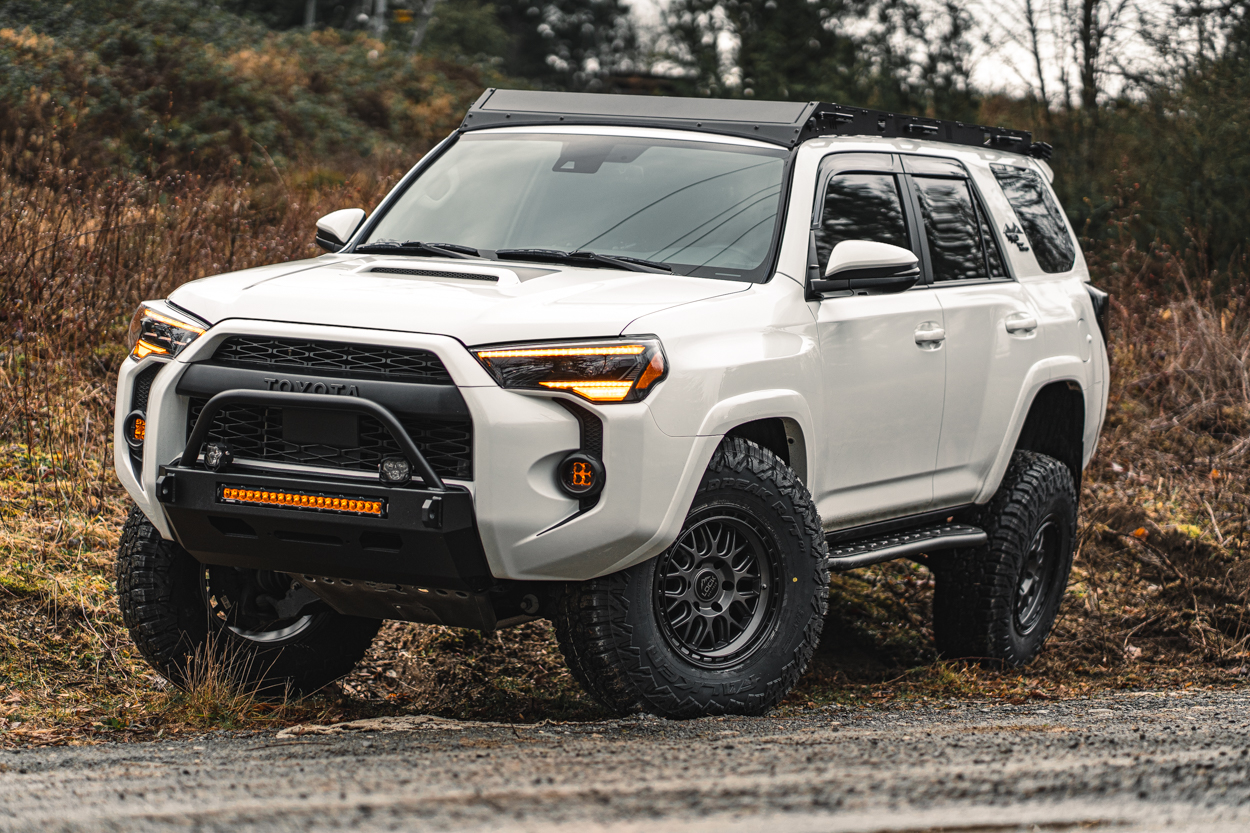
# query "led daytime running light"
(173, 322)
(597, 391)
(554, 352)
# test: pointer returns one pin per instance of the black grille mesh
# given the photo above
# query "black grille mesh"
(590, 432)
(350, 360)
(255, 433)
(143, 386)
(139, 402)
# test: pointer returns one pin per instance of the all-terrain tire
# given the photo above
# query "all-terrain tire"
(624, 636)
(160, 589)
(997, 603)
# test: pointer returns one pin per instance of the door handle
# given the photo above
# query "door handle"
(930, 335)
(1021, 323)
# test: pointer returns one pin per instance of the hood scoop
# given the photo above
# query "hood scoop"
(431, 273)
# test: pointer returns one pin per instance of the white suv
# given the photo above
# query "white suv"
(648, 367)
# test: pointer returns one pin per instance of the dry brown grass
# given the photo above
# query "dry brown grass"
(1157, 597)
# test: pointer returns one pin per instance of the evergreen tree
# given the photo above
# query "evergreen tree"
(872, 53)
(568, 44)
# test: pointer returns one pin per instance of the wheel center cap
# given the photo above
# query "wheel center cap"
(707, 585)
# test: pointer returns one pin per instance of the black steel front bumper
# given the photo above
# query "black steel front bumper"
(427, 537)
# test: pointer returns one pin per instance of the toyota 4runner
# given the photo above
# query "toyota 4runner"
(648, 367)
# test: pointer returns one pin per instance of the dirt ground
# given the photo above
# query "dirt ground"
(1142, 761)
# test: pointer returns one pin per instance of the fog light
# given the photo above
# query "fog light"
(217, 455)
(581, 475)
(135, 428)
(395, 471)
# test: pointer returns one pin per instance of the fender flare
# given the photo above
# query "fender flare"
(1054, 369)
(720, 419)
(776, 403)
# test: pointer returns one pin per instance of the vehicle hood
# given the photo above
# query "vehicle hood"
(460, 299)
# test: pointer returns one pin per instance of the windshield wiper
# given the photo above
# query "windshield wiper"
(631, 264)
(417, 249)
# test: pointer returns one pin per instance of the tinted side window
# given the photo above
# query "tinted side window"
(993, 257)
(953, 228)
(861, 207)
(1039, 216)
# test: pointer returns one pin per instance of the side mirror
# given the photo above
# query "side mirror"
(337, 227)
(868, 268)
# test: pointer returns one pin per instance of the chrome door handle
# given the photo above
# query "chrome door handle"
(930, 335)
(1020, 323)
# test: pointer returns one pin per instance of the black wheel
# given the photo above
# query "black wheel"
(725, 620)
(997, 603)
(264, 629)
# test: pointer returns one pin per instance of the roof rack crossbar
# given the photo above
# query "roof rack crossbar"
(784, 123)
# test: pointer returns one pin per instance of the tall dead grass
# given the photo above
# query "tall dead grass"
(79, 250)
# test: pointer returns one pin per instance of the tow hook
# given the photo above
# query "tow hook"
(165, 488)
(432, 513)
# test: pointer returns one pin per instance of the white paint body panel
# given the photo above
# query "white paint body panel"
(880, 425)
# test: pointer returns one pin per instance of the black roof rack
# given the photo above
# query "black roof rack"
(785, 123)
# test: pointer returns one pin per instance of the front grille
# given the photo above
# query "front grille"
(333, 358)
(254, 432)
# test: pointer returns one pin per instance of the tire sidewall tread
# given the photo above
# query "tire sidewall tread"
(612, 642)
(974, 601)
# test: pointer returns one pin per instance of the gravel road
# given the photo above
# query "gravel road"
(1159, 761)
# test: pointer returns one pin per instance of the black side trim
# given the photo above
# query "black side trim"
(1102, 302)
(872, 530)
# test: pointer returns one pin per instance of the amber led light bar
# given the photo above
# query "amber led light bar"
(241, 496)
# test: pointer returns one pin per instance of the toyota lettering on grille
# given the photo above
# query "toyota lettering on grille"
(302, 386)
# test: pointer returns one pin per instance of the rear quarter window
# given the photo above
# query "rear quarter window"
(1039, 215)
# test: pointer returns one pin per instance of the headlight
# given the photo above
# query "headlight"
(618, 370)
(161, 330)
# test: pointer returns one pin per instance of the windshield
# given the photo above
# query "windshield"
(703, 208)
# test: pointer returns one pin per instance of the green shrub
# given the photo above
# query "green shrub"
(164, 87)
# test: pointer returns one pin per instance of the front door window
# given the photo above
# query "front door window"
(861, 206)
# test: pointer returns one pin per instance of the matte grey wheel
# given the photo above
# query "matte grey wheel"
(716, 588)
